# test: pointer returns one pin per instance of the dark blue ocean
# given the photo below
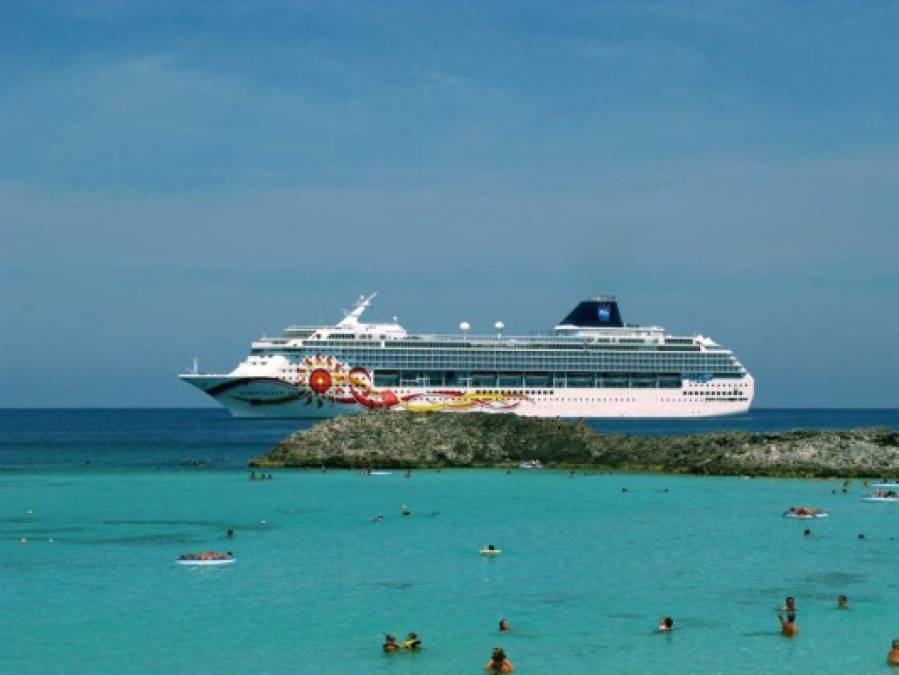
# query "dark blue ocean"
(169, 438)
(96, 506)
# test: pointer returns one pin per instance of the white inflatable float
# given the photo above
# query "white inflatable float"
(206, 562)
(490, 551)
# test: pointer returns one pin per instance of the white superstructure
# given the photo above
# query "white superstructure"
(590, 365)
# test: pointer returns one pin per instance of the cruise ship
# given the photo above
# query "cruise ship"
(590, 365)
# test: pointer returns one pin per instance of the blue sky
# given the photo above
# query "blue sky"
(179, 178)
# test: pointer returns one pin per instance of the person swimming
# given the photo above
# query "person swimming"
(230, 533)
(893, 655)
(504, 625)
(412, 641)
(807, 532)
(788, 625)
(378, 518)
(390, 644)
(499, 662)
(406, 510)
(843, 602)
(666, 624)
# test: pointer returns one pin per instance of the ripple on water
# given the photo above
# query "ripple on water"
(141, 539)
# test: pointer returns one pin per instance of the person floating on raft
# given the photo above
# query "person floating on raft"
(806, 512)
(207, 555)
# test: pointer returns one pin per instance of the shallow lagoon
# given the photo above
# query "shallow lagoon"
(587, 570)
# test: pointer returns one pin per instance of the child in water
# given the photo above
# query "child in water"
(390, 644)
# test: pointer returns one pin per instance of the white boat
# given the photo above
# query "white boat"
(591, 364)
(876, 498)
(532, 464)
(206, 563)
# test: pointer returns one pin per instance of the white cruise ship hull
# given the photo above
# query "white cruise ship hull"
(249, 397)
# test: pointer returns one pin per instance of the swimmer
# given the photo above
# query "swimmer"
(504, 625)
(390, 644)
(861, 536)
(230, 533)
(406, 510)
(807, 532)
(843, 602)
(412, 642)
(666, 624)
(378, 518)
(788, 626)
(789, 605)
(498, 662)
(893, 655)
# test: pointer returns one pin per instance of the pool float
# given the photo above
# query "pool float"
(206, 563)
(490, 551)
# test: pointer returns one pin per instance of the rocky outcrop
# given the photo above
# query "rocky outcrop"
(414, 440)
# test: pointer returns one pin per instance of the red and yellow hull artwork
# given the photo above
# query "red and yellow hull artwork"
(323, 379)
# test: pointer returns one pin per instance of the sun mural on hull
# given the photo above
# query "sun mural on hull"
(324, 379)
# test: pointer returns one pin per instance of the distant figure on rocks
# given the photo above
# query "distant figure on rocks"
(788, 626)
(504, 625)
(843, 602)
(893, 656)
(499, 662)
(666, 624)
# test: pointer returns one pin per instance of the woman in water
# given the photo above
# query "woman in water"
(498, 662)
(666, 624)
(390, 644)
(788, 626)
(893, 656)
(843, 602)
(412, 642)
(504, 625)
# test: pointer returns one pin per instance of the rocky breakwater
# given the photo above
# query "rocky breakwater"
(414, 440)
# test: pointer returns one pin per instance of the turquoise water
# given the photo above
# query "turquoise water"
(586, 571)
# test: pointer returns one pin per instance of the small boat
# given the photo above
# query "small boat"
(380, 473)
(206, 559)
(881, 498)
(531, 464)
(806, 512)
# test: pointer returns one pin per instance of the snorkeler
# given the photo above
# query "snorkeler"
(390, 644)
(412, 642)
(498, 662)
(666, 624)
(504, 625)
(788, 625)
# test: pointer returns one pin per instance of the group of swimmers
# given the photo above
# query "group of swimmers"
(262, 476)
(498, 663)
(412, 642)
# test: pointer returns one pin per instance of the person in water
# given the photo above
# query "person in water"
(230, 533)
(390, 644)
(789, 605)
(406, 510)
(788, 625)
(378, 518)
(666, 624)
(893, 655)
(499, 662)
(843, 602)
(504, 625)
(412, 642)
